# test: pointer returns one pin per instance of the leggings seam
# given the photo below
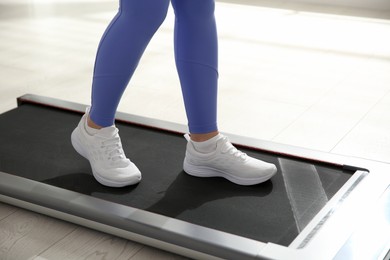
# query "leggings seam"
(108, 29)
(198, 63)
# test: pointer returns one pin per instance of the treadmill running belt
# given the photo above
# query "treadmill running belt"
(35, 144)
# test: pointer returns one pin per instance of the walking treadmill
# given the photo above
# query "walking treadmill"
(317, 206)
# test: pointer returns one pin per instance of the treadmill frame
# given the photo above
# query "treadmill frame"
(345, 214)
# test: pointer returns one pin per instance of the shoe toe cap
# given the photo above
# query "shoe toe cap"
(261, 168)
(130, 174)
(119, 177)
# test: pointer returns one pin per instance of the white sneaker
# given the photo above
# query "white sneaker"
(227, 162)
(104, 151)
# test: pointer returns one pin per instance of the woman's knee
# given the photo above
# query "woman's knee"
(146, 13)
(194, 9)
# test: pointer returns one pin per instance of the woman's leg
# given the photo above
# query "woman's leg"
(119, 52)
(208, 154)
(196, 54)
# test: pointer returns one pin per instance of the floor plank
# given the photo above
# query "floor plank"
(6, 210)
(25, 234)
(85, 243)
(153, 253)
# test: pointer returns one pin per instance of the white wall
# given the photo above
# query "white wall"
(382, 6)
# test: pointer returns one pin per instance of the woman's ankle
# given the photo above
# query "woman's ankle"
(92, 124)
(203, 137)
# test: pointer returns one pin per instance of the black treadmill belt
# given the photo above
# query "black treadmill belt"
(35, 144)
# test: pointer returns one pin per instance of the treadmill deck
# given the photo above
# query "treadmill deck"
(36, 146)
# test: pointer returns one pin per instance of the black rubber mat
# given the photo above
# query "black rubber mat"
(35, 144)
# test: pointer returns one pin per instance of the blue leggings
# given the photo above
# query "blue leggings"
(196, 56)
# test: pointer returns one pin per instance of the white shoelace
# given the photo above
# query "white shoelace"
(230, 149)
(113, 149)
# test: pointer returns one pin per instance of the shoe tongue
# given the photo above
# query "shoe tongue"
(108, 132)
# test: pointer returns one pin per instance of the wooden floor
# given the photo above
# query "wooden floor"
(299, 78)
(28, 235)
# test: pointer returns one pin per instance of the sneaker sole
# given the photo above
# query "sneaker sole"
(79, 148)
(205, 172)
